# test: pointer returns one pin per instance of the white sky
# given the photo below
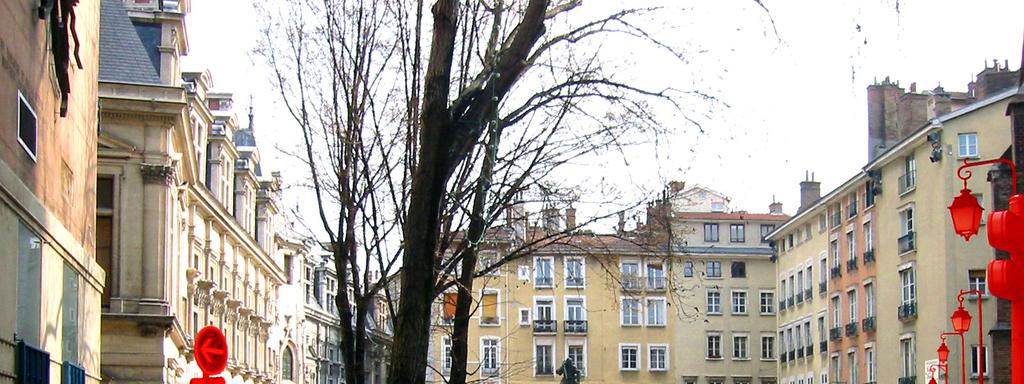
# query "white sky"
(794, 105)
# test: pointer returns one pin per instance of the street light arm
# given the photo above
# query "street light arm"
(983, 369)
(963, 173)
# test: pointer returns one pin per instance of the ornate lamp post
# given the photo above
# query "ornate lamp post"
(1005, 232)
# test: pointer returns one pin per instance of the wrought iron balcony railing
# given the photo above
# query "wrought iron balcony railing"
(908, 311)
(868, 323)
(792, 355)
(908, 380)
(545, 326)
(655, 283)
(869, 256)
(906, 242)
(782, 357)
(33, 365)
(575, 326)
(809, 351)
(630, 283)
(789, 302)
(836, 272)
(851, 264)
(822, 287)
(799, 353)
(835, 333)
(574, 282)
(808, 293)
(851, 329)
(782, 305)
(799, 297)
(72, 374)
(822, 347)
(544, 282)
(908, 182)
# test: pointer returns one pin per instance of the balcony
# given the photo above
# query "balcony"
(575, 326)
(869, 256)
(792, 355)
(655, 283)
(851, 265)
(822, 347)
(782, 357)
(822, 287)
(908, 380)
(906, 242)
(869, 324)
(835, 333)
(908, 311)
(809, 351)
(851, 329)
(907, 183)
(72, 374)
(545, 326)
(574, 282)
(807, 294)
(789, 302)
(631, 283)
(782, 305)
(33, 365)
(543, 282)
(799, 297)
(836, 272)
(799, 353)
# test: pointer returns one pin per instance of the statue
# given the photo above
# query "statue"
(569, 373)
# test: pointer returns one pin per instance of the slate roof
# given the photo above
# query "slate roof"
(123, 57)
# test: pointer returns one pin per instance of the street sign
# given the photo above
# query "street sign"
(933, 370)
(211, 353)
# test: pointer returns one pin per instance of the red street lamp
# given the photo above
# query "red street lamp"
(961, 320)
(943, 353)
(1005, 232)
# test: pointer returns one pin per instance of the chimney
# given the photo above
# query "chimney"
(994, 79)
(913, 87)
(810, 191)
(552, 220)
(570, 218)
(883, 113)
(775, 208)
(622, 223)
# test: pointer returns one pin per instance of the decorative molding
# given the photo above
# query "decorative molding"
(157, 173)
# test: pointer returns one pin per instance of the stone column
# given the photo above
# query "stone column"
(157, 182)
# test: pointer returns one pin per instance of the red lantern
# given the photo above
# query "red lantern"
(943, 353)
(961, 320)
(932, 381)
(966, 214)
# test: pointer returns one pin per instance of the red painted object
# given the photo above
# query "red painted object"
(211, 354)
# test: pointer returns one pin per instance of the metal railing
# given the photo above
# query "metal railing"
(809, 351)
(836, 272)
(799, 297)
(851, 329)
(72, 374)
(631, 282)
(782, 305)
(908, 311)
(545, 326)
(851, 264)
(835, 333)
(822, 287)
(575, 326)
(822, 346)
(799, 353)
(33, 365)
(907, 182)
(869, 256)
(789, 302)
(655, 283)
(808, 293)
(782, 357)
(837, 219)
(574, 282)
(908, 380)
(792, 355)
(544, 281)
(906, 242)
(868, 323)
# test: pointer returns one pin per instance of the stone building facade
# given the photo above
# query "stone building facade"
(52, 284)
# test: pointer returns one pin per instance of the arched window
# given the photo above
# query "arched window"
(286, 365)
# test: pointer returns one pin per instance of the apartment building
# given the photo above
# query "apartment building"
(186, 212)
(52, 282)
(895, 265)
(625, 307)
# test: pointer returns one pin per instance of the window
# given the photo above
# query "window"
(490, 308)
(489, 363)
(851, 361)
(869, 194)
(574, 273)
(630, 275)
(910, 166)
(737, 233)
(545, 309)
(822, 223)
(524, 316)
(26, 126)
(578, 357)
(574, 309)
(968, 144)
(810, 283)
(688, 269)
(851, 247)
(524, 272)
(869, 241)
(799, 286)
(976, 282)
(629, 357)
(869, 356)
(544, 360)
(767, 303)
(979, 359)
(543, 272)
(822, 269)
(657, 357)
(711, 232)
(767, 347)
(807, 334)
(739, 347)
(656, 311)
(765, 230)
(714, 300)
(909, 290)
(450, 299)
(29, 285)
(714, 346)
(907, 220)
(869, 300)
(739, 302)
(655, 275)
(833, 249)
(738, 269)
(852, 208)
(105, 213)
(851, 299)
(287, 358)
(837, 313)
(69, 307)
(714, 268)
(834, 364)
(907, 357)
(630, 311)
(821, 329)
